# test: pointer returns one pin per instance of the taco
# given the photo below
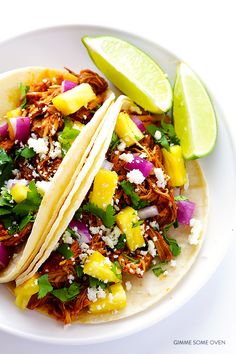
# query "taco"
(131, 227)
(49, 121)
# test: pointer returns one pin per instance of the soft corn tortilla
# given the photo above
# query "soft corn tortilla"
(66, 174)
(149, 290)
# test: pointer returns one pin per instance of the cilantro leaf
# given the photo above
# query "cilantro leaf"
(121, 242)
(6, 198)
(135, 261)
(137, 223)
(180, 197)
(65, 251)
(128, 188)
(31, 203)
(79, 271)
(6, 166)
(116, 269)
(68, 135)
(44, 286)
(157, 271)
(26, 219)
(174, 247)
(114, 141)
(152, 129)
(23, 91)
(26, 152)
(107, 217)
(169, 130)
(168, 135)
(95, 283)
(67, 294)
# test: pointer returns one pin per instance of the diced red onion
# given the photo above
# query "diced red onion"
(81, 228)
(67, 85)
(148, 212)
(139, 123)
(140, 164)
(185, 210)
(107, 165)
(4, 256)
(19, 128)
(3, 128)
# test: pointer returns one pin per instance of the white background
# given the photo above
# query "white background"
(203, 33)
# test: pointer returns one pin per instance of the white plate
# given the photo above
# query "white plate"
(61, 46)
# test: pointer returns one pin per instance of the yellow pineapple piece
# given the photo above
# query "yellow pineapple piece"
(174, 165)
(14, 113)
(127, 130)
(100, 267)
(79, 126)
(24, 292)
(104, 186)
(126, 220)
(19, 192)
(72, 100)
(115, 300)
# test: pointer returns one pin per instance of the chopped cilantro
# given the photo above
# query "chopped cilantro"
(114, 141)
(169, 130)
(168, 135)
(31, 203)
(174, 247)
(6, 198)
(44, 286)
(137, 223)
(128, 188)
(65, 251)
(107, 217)
(26, 152)
(68, 135)
(157, 271)
(5, 167)
(180, 197)
(23, 91)
(94, 283)
(121, 242)
(79, 271)
(67, 294)
(26, 219)
(135, 261)
(116, 268)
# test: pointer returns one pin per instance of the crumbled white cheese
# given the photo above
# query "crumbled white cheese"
(165, 273)
(112, 237)
(128, 285)
(143, 155)
(40, 145)
(157, 135)
(94, 230)
(96, 293)
(196, 228)
(55, 150)
(43, 186)
(173, 263)
(151, 248)
(159, 173)
(126, 157)
(15, 172)
(121, 146)
(154, 225)
(67, 238)
(135, 176)
(71, 278)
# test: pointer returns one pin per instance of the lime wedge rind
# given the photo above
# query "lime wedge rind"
(194, 115)
(132, 71)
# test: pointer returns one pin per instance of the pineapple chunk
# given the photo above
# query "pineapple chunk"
(25, 291)
(126, 219)
(14, 113)
(71, 101)
(79, 126)
(115, 300)
(104, 186)
(19, 192)
(174, 165)
(100, 267)
(127, 130)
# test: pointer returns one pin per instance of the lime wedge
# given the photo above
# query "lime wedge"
(194, 115)
(132, 71)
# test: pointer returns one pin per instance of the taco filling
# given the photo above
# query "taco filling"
(123, 227)
(34, 138)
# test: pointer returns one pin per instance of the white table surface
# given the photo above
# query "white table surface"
(201, 32)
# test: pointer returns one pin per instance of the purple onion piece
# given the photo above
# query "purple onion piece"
(140, 164)
(139, 123)
(81, 228)
(67, 85)
(148, 212)
(4, 128)
(19, 128)
(4, 256)
(185, 210)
